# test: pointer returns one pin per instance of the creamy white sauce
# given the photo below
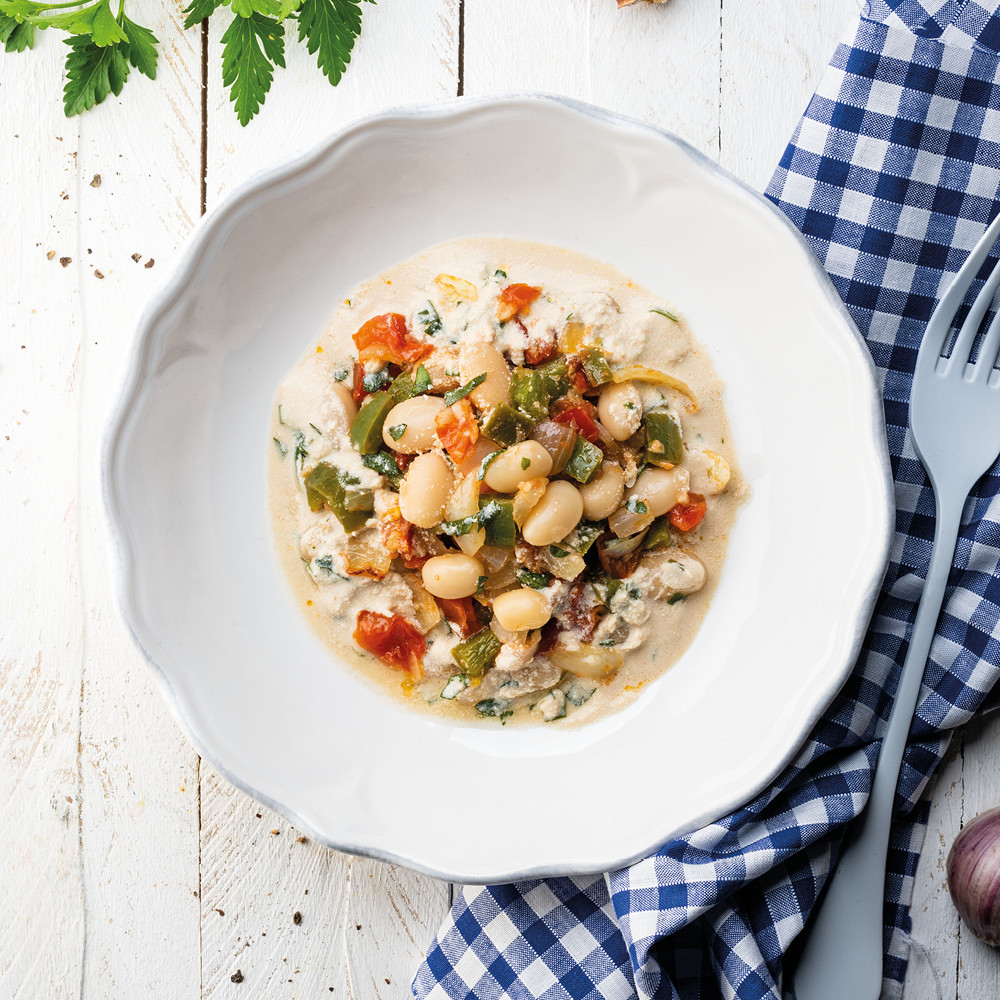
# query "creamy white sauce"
(310, 425)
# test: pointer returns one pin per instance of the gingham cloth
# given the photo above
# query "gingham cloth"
(892, 174)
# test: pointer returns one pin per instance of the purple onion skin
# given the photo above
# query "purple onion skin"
(974, 876)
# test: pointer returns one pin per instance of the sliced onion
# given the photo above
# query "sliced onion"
(625, 523)
(365, 555)
(641, 373)
(493, 558)
(426, 609)
(527, 498)
(567, 567)
(587, 661)
(464, 502)
(558, 440)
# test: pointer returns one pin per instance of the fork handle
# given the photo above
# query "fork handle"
(842, 954)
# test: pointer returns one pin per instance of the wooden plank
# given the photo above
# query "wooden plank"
(139, 825)
(407, 53)
(657, 63)
(931, 973)
(41, 907)
(102, 842)
(978, 964)
(773, 56)
(286, 917)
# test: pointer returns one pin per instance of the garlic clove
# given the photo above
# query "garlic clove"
(974, 876)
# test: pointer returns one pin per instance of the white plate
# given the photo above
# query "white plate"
(207, 601)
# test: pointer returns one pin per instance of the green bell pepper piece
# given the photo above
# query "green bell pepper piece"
(506, 426)
(342, 493)
(596, 367)
(496, 515)
(555, 375)
(476, 654)
(366, 431)
(585, 460)
(529, 394)
(664, 443)
(659, 535)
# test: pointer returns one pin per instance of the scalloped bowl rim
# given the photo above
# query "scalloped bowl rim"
(199, 246)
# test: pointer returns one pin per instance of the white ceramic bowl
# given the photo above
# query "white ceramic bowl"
(206, 599)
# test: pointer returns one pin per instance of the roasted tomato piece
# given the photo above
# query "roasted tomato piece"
(359, 392)
(462, 612)
(386, 338)
(514, 299)
(615, 562)
(457, 430)
(397, 535)
(392, 639)
(540, 351)
(578, 377)
(687, 516)
(581, 421)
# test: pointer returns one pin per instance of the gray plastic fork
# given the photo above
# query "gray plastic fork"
(955, 419)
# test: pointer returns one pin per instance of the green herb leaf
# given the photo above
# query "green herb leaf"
(397, 431)
(141, 46)
(664, 312)
(537, 581)
(675, 598)
(525, 463)
(16, 37)
(340, 373)
(244, 8)
(557, 552)
(198, 10)
(429, 319)
(92, 72)
(282, 450)
(637, 506)
(499, 274)
(462, 391)
(383, 463)
(252, 47)
(374, 381)
(95, 20)
(329, 28)
(480, 583)
(421, 381)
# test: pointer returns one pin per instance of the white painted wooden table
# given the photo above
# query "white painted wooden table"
(127, 867)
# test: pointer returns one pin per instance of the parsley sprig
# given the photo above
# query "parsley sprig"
(105, 45)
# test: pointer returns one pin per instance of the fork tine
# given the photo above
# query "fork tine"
(988, 351)
(939, 327)
(962, 351)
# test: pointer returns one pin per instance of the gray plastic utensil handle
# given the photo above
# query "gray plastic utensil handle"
(842, 957)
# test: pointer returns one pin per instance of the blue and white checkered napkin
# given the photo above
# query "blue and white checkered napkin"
(892, 174)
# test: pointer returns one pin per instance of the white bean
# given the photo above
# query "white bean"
(660, 489)
(521, 610)
(555, 515)
(416, 418)
(602, 496)
(344, 397)
(477, 359)
(516, 465)
(452, 576)
(620, 410)
(425, 489)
